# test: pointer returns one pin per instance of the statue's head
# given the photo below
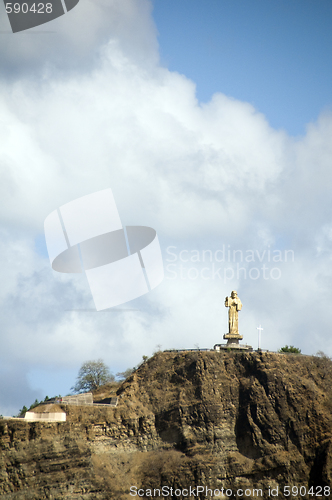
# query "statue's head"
(233, 294)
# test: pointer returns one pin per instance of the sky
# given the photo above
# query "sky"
(273, 54)
(211, 122)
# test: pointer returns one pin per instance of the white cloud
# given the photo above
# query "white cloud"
(203, 176)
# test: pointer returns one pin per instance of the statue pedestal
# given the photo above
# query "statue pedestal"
(233, 338)
(233, 343)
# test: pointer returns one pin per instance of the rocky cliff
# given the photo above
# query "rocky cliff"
(254, 423)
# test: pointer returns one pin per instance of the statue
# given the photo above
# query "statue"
(235, 305)
(233, 337)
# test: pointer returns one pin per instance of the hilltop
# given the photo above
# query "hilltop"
(221, 420)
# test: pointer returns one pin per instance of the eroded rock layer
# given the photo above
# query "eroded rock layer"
(219, 420)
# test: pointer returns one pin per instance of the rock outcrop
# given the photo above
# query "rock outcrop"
(238, 421)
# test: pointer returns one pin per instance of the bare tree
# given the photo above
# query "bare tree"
(92, 375)
(123, 375)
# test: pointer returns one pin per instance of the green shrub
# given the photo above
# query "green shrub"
(291, 348)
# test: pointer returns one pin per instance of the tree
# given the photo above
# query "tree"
(321, 354)
(22, 412)
(92, 375)
(33, 405)
(291, 348)
(123, 375)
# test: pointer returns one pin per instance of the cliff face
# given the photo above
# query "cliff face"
(219, 420)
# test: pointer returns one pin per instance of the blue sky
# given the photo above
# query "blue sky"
(211, 122)
(274, 54)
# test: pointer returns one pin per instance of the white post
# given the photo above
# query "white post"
(259, 328)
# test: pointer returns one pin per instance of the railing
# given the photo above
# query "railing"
(87, 400)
